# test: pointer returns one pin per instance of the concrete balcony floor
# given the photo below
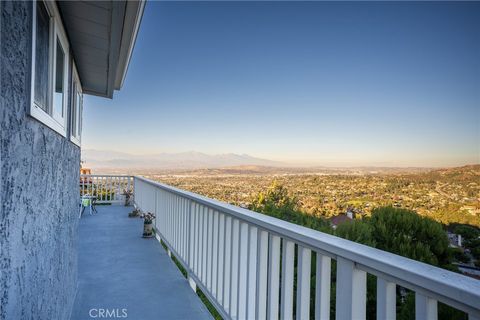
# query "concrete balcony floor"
(118, 269)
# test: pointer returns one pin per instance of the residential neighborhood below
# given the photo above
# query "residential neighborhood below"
(450, 196)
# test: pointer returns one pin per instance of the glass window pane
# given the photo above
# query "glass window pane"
(74, 110)
(58, 109)
(41, 56)
(79, 117)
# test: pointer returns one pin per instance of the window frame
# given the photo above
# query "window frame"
(56, 30)
(76, 137)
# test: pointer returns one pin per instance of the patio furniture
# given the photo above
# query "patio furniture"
(88, 201)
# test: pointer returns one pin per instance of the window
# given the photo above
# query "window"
(77, 109)
(42, 49)
(49, 67)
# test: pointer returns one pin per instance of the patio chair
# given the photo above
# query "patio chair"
(87, 201)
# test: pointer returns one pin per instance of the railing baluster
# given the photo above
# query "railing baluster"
(252, 273)
(175, 216)
(166, 234)
(177, 223)
(180, 225)
(221, 257)
(103, 188)
(173, 225)
(129, 181)
(351, 291)
(92, 181)
(209, 250)
(188, 222)
(114, 187)
(201, 246)
(243, 269)
(262, 274)
(110, 188)
(227, 263)
(322, 287)
(274, 277)
(386, 300)
(303, 283)
(199, 240)
(112, 197)
(205, 245)
(167, 217)
(287, 279)
(196, 242)
(183, 225)
(215, 254)
(172, 220)
(170, 217)
(117, 189)
(162, 213)
(208, 255)
(186, 230)
(234, 272)
(191, 230)
(425, 307)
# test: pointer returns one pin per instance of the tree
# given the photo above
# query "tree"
(408, 234)
(358, 231)
(399, 231)
(276, 202)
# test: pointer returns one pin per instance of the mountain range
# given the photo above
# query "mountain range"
(184, 160)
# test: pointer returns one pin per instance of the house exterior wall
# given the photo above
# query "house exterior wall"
(39, 188)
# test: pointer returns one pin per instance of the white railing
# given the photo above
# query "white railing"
(244, 262)
(106, 188)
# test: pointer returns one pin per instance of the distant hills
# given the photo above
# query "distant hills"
(166, 161)
(198, 163)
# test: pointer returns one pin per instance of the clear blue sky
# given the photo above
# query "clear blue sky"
(375, 83)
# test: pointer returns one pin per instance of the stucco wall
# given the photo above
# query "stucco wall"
(39, 174)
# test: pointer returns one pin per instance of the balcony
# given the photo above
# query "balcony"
(247, 264)
(120, 270)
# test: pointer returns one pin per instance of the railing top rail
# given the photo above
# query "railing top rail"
(446, 286)
(106, 175)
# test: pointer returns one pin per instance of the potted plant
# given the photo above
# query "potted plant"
(148, 224)
(134, 213)
(128, 196)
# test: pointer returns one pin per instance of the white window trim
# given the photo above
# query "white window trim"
(56, 29)
(78, 109)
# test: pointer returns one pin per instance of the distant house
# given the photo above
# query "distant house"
(341, 218)
(85, 171)
(470, 271)
(455, 240)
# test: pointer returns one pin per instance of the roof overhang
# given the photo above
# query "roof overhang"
(102, 36)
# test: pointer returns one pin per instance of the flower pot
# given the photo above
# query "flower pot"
(147, 229)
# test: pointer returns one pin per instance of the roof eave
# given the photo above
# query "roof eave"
(133, 17)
